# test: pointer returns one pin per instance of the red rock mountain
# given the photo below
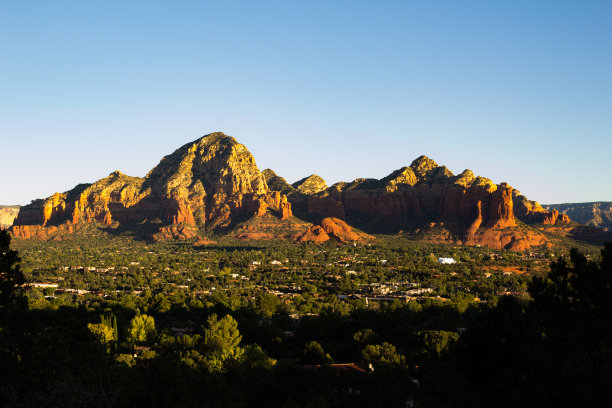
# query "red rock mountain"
(419, 198)
(213, 184)
(332, 228)
(210, 184)
(8, 213)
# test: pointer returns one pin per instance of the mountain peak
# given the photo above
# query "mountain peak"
(466, 178)
(422, 165)
(405, 175)
(310, 185)
(216, 161)
(212, 138)
(276, 182)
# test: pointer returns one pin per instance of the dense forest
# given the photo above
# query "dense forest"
(121, 323)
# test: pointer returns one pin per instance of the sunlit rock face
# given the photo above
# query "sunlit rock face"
(208, 184)
(424, 197)
(8, 215)
(422, 193)
(335, 229)
(595, 214)
(532, 212)
(213, 185)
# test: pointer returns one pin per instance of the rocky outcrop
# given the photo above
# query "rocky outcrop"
(596, 214)
(512, 239)
(310, 185)
(175, 231)
(204, 241)
(277, 183)
(8, 213)
(533, 213)
(332, 228)
(51, 233)
(211, 184)
(316, 233)
(413, 197)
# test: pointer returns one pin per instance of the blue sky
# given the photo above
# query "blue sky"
(517, 91)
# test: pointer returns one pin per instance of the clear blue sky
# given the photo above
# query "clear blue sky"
(517, 91)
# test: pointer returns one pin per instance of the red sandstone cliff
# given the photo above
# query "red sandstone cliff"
(332, 228)
(211, 183)
(412, 197)
(532, 212)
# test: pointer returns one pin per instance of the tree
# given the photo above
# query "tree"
(111, 322)
(573, 309)
(13, 334)
(141, 329)
(11, 277)
(221, 334)
(580, 290)
(435, 342)
(365, 336)
(266, 304)
(102, 332)
(314, 354)
(555, 350)
(383, 355)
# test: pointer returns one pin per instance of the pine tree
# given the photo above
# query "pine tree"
(11, 277)
(115, 331)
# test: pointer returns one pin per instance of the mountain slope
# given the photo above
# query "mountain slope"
(8, 213)
(596, 214)
(213, 185)
(210, 184)
(422, 197)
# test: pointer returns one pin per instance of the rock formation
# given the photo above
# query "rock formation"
(532, 212)
(310, 185)
(277, 183)
(412, 197)
(210, 184)
(427, 199)
(597, 214)
(332, 228)
(213, 184)
(8, 213)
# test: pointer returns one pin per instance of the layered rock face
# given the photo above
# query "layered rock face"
(277, 183)
(412, 197)
(426, 197)
(310, 185)
(8, 213)
(211, 183)
(596, 214)
(532, 212)
(332, 228)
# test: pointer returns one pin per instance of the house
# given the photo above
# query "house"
(446, 260)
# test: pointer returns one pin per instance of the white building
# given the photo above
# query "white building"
(446, 260)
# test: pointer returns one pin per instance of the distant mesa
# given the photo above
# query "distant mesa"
(8, 213)
(595, 214)
(213, 185)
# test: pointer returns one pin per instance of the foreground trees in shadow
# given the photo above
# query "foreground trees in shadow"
(551, 349)
(555, 350)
